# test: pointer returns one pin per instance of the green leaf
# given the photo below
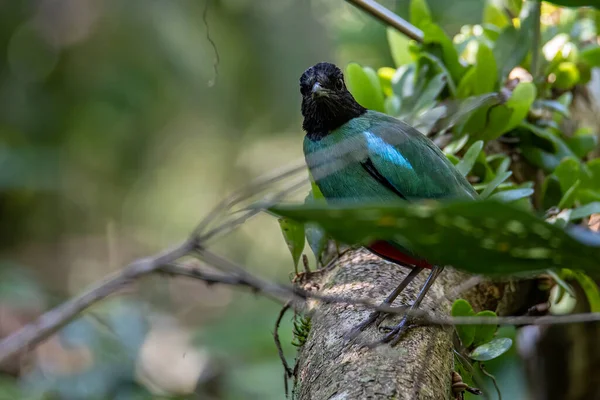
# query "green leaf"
(484, 333)
(494, 15)
(551, 193)
(433, 34)
(514, 6)
(591, 55)
(364, 85)
(511, 195)
(317, 239)
(567, 173)
(581, 145)
(486, 236)
(500, 177)
(466, 333)
(505, 117)
(553, 105)
(588, 285)
(491, 350)
(520, 102)
(479, 79)
(293, 233)
(392, 105)
(399, 45)
(403, 81)
(569, 196)
(512, 45)
(419, 12)
(542, 158)
(585, 211)
(432, 90)
(466, 164)
(456, 145)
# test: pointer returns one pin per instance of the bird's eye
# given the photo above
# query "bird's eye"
(339, 84)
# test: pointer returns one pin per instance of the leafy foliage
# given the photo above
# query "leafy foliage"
(487, 237)
(478, 86)
(497, 97)
(492, 349)
(293, 233)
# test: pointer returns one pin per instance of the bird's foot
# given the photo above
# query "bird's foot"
(354, 332)
(394, 333)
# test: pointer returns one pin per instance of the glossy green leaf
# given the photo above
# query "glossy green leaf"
(501, 177)
(479, 79)
(432, 90)
(433, 34)
(487, 237)
(569, 196)
(392, 105)
(591, 290)
(466, 333)
(491, 350)
(403, 81)
(511, 195)
(567, 173)
(520, 102)
(423, 55)
(399, 47)
(466, 164)
(507, 116)
(315, 193)
(456, 145)
(293, 233)
(385, 75)
(585, 211)
(419, 12)
(317, 239)
(364, 86)
(484, 333)
(453, 159)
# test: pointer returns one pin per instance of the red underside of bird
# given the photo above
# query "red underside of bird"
(389, 252)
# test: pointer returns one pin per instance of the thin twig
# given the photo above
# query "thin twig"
(50, 322)
(53, 320)
(286, 367)
(389, 18)
(493, 378)
(213, 81)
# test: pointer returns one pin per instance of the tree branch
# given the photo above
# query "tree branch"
(165, 263)
(389, 18)
(330, 367)
(50, 322)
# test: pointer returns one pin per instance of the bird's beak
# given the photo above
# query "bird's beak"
(318, 90)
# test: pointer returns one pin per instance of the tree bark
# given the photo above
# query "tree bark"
(419, 367)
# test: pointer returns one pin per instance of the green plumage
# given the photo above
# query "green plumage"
(375, 157)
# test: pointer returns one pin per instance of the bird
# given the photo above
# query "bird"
(355, 154)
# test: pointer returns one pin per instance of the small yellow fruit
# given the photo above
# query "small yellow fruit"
(566, 75)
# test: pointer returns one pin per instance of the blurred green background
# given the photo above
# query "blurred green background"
(113, 145)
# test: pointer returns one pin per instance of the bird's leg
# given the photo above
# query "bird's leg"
(396, 333)
(388, 300)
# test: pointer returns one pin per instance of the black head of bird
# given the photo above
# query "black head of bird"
(326, 102)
